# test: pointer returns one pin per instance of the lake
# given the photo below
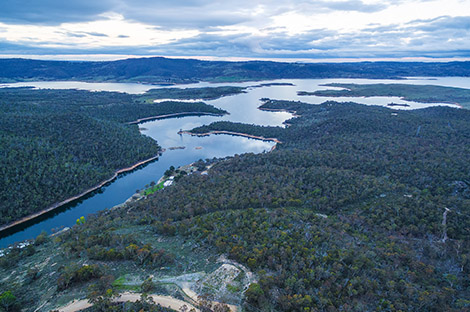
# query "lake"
(242, 108)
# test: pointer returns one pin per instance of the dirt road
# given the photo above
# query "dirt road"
(165, 301)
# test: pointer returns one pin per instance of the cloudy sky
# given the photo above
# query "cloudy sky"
(289, 29)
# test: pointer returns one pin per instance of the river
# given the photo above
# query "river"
(242, 108)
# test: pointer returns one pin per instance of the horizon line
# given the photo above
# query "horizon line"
(116, 57)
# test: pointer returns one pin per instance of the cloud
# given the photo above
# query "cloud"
(246, 28)
(194, 13)
(52, 12)
(353, 5)
(96, 34)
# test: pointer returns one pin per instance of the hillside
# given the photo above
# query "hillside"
(56, 144)
(165, 70)
(345, 214)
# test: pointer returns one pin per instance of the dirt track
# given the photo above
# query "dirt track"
(165, 301)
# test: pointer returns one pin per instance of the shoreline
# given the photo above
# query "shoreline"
(173, 115)
(76, 197)
(124, 170)
(280, 110)
(231, 133)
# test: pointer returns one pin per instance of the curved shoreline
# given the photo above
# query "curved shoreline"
(124, 170)
(103, 183)
(231, 133)
(173, 115)
(68, 200)
(280, 110)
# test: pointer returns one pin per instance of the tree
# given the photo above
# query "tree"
(147, 286)
(7, 301)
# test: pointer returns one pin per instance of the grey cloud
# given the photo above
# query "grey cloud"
(186, 17)
(82, 34)
(76, 35)
(95, 34)
(443, 22)
(174, 14)
(423, 37)
(320, 43)
(52, 11)
(189, 13)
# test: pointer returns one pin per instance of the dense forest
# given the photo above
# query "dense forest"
(165, 70)
(260, 131)
(359, 209)
(207, 93)
(55, 144)
(415, 93)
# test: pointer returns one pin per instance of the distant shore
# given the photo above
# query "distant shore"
(84, 193)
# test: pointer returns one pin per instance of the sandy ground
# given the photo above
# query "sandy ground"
(191, 294)
(165, 301)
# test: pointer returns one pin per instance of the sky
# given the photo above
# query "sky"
(243, 29)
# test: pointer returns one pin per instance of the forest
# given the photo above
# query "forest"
(55, 144)
(261, 131)
(415, 93)
(159, 70)
(345, 215)
(207, 93)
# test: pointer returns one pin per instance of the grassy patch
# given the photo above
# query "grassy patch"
(127, 282)
(153, 189)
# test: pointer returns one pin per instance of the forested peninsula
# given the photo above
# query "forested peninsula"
(56, 144)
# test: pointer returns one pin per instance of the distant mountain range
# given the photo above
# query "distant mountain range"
(165, 70)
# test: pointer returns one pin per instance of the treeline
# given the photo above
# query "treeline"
(55, 144)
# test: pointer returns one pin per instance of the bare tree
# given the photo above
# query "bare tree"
(444, 224)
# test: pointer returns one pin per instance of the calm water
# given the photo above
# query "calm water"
(242, 108)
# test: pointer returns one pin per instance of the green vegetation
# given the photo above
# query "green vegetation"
(77, 274)
(264, 131)
(345, 215)
(122, 259)
(55, 144)
(80, 220)
(153, 189)
(206, 93)
(416, 93)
